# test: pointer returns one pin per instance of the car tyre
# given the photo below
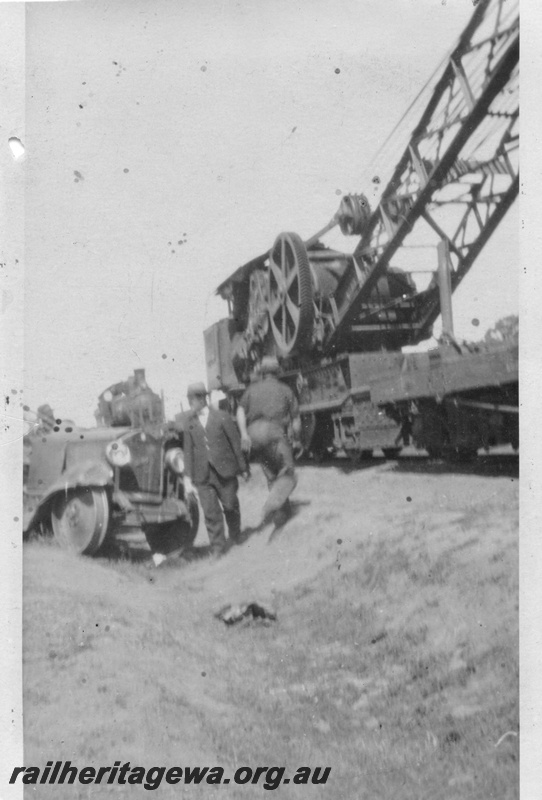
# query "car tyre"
(80, 519)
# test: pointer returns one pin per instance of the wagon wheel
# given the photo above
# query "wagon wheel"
(80, 518)
(291, 309)
(308, 426)
(434, 452)
(462, 455)
(391, 452)
(357, 456)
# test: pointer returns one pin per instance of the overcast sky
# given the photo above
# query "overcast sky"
(167, 143)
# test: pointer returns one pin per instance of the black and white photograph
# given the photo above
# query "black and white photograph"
(261, 412)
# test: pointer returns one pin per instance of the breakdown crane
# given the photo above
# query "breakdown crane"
(337, 321)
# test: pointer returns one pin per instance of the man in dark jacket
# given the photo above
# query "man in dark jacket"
(268, 411)
(212, 461)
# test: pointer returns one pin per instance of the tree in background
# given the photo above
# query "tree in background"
(504, 330)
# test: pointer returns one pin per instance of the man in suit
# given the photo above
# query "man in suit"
(213, 459)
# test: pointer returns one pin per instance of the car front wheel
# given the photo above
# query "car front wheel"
(80, 518)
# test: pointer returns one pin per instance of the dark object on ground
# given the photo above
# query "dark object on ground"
(235, 613)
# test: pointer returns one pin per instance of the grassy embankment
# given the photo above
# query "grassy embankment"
(393, 659)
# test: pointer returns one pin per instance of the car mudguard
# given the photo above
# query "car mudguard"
(93, 474)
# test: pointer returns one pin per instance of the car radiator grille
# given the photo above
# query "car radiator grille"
(143, 474)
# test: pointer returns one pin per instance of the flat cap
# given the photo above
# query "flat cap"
(196, 390)
(269, 364)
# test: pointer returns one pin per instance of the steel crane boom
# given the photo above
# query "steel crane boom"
(462, 156)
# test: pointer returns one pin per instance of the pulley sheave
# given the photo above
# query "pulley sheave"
(353, 214)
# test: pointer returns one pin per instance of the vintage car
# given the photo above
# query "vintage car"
(111, 485)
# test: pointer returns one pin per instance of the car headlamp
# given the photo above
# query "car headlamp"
(175, 460)
(118, 454)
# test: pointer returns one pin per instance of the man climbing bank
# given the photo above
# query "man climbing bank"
(267, 413)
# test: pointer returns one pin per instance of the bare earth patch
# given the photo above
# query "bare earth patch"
(394, 658)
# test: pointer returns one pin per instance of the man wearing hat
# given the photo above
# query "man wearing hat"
(213, 459)
(268, 409)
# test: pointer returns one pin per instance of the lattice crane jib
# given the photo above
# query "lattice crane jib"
(457, 177)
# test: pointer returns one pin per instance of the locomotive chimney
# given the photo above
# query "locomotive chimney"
(139, 375)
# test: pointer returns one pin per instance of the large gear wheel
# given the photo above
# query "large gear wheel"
(291, 306)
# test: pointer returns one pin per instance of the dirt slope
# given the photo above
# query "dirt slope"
(393, 659)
